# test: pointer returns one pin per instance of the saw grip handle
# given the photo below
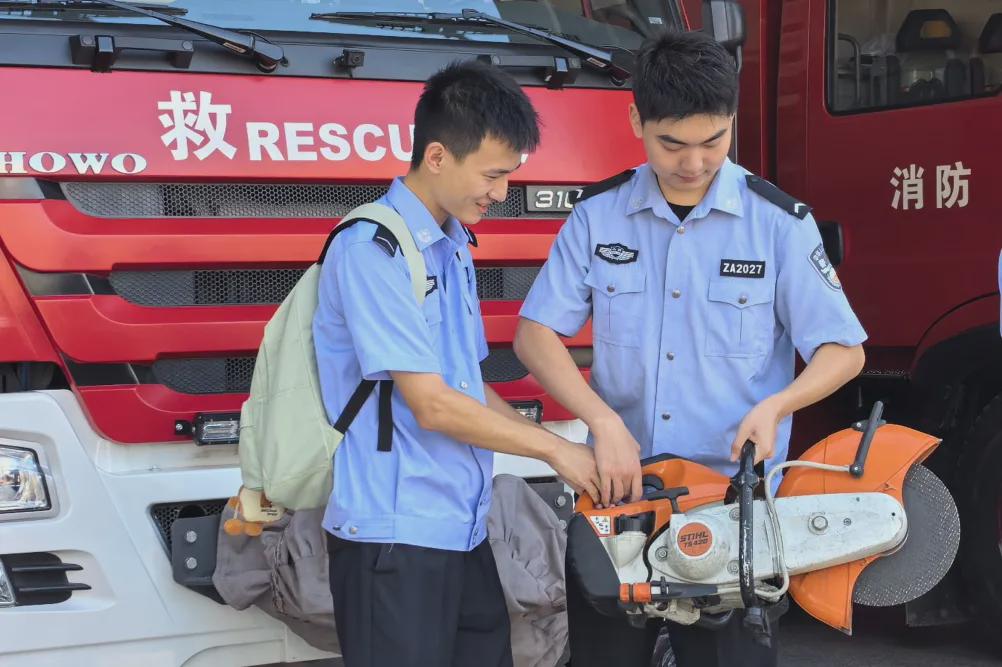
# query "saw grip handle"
(744, 483)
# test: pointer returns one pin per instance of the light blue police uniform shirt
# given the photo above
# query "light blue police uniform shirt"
(694, 322)
(429, 490)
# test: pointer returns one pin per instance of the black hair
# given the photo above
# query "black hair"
(682, 74)
(468, 101)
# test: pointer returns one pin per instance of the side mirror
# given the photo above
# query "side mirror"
(724, 20)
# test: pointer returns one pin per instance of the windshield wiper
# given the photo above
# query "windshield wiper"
(77, 6)
(268, 56)
(604, 61)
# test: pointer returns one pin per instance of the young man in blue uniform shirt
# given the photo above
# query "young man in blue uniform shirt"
(412, 575)
(702, 283)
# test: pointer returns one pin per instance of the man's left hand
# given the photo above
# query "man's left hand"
(759, 426)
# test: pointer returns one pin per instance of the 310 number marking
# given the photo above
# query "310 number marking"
(552, 198)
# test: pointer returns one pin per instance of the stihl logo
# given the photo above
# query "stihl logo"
(694, 539)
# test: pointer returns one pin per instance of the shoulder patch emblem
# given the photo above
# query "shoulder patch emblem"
(385, 239)
(430, 284)
(821, 263)
(616, 253)
(601, 186)
(770, 192)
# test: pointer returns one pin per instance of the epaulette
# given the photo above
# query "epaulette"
(770, 192)
(472, 236)
(385, 239)
(602, 186)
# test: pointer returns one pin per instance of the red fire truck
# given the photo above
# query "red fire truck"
(166, 177)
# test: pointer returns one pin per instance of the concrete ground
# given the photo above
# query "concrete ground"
(880, 640)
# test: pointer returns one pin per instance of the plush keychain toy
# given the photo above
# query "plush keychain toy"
(251, 511)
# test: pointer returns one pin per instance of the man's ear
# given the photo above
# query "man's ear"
(435, 155)
(635, 122)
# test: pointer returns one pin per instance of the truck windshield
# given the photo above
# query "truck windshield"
(610, 23)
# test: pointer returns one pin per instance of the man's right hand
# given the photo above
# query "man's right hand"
(575, 464)
(617, 455)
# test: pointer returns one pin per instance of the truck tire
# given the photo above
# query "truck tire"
(979, 495)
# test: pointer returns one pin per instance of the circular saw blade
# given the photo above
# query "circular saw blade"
(928, 551)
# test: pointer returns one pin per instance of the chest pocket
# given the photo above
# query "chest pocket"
(617, 298)
(740, 317)
(432, 309)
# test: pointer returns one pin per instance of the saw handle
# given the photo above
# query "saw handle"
(671, 495)
(756, 620)
(871, 425)
(744, 483)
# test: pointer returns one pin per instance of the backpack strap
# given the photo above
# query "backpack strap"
(355, 404)
(393, 233)
(384, 441)
(393, 227)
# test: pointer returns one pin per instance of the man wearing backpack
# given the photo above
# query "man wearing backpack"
(413, 578)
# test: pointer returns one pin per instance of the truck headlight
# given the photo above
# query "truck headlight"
(22, 481)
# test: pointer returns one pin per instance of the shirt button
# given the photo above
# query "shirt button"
(681, 230)
(676, 293)
(610, 289)
(665, 416)
(354, 529)
(743, 299)
(463, 385)
(670, 356)
(636, 203)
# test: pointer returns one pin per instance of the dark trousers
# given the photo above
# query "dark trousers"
(597, 640)
(397, 605)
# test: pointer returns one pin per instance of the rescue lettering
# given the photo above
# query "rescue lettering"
(304, 142)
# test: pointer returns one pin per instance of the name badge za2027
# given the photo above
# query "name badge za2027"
(742, 268)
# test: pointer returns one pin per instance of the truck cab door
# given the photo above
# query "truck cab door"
(886, 125)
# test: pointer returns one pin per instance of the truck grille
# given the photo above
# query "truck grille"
(216, 375)
(242, 200)
(270, 286)
(501, 365)
(232, 375)
(165, 514)
(205, 288)
(509, 283)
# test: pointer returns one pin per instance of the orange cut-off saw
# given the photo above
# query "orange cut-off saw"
(857, 518)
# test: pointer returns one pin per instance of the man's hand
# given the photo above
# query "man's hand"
(575, 464)
(760, 427)
(617, 456)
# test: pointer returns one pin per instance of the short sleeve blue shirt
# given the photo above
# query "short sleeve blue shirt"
(429, 490)
(694, 322)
